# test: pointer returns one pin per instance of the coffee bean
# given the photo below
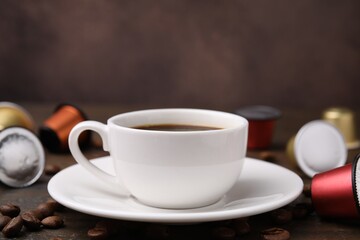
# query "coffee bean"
(31, 222)
(3, 221)
(267, 156)
(37, 213)
(112, 226)
(281, 215)
(51, 169)
(13, 228)
(46, 209)
(98, 233)
(53, 222)
(241, 226)
(223, 233)
(54, 204)
(157, 231)
(56, 238)
(10, 210)
(30, 219)
(275, 234)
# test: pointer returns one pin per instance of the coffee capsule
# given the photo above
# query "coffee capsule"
(336, 193)
(290, 152)
(22, 157)
(54, 132)
(12, 115)
(319, 147)
(344, 120)
(261, 124)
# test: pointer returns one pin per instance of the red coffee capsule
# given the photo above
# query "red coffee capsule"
(261, 124)
(335, 193)
(55, 130)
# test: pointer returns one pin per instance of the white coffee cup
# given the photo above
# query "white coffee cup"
(169, 169)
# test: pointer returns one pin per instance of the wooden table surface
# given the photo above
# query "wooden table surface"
(77, 224)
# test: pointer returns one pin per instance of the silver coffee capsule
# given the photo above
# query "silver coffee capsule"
(22, 157)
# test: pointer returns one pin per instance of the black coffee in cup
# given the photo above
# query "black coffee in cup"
(175, 127)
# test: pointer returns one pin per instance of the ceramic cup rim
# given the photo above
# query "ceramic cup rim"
(218, 119)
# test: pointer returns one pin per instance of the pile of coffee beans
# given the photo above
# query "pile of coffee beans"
(12, 220)
(267, 226)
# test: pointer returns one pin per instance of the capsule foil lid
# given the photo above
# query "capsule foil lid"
(22, 157)
(319, 147)
(357, 182)
(259, 112)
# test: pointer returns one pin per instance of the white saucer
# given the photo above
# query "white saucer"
(261, 187)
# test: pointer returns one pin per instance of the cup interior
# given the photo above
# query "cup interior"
(209, 118)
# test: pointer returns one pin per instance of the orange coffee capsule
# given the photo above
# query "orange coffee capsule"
(54, 132)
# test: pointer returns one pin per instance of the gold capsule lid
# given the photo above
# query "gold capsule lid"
(22, 157)
(12, 115)
(344, 119)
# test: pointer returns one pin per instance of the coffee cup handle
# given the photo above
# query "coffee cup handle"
(102, 130)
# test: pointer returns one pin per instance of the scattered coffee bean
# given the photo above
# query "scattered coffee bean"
(56, 238)
(11, 223)
(157, 231)
(31, 222)
(53, 222)
(46, 209)
(98, 233)
(37, 213)
(281, 215)
(241, 226)
(223, 233)
(13, 228)
(51, 169)
(267, 156)
(275, 234)
(3, 221)
(54, 204)
(112, 226)
(10, 210)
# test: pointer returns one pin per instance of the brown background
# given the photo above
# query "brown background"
(216, 54)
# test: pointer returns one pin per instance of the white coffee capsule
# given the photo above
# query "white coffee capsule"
(22, 157)
(319, 147)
